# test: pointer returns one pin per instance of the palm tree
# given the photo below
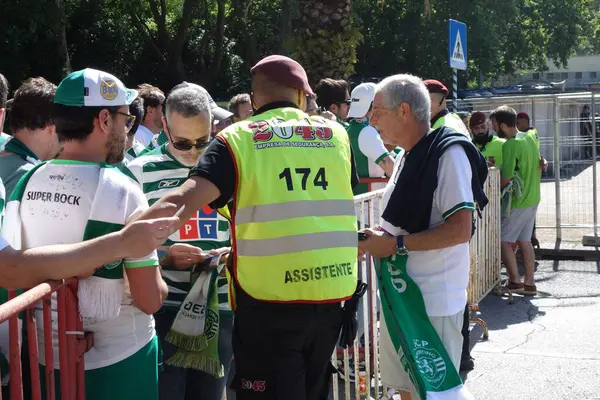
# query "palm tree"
(326, 44)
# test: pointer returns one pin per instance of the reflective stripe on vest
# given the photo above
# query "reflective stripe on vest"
(294, 222)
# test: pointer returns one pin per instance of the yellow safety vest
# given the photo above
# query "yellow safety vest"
(453, 121)
(294, 223)
(493, 150)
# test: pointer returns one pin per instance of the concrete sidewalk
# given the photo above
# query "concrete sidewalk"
(543, 347)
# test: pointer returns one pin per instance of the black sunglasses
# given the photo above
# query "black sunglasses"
(129, 119)
(346, 102)
(185, 145)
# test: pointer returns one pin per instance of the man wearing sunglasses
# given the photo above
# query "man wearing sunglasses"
(187, 125)
(77, 197)
(333, 96)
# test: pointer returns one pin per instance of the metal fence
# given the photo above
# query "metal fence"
(569, 205)
(484, 250)
(72, 343)
(359, 366)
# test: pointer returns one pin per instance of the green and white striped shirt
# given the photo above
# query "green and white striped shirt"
(158, 172)
(69, 201)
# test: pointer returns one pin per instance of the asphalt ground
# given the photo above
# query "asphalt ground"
(542, 347)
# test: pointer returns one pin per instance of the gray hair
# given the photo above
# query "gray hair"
(188, 102)
(405, 88)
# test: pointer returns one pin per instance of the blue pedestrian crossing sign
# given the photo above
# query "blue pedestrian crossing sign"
(457, 44)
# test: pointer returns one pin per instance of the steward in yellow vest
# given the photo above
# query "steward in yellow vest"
(489, 144)
(440, 116)
(287, 180)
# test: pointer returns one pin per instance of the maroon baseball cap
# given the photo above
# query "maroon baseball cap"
(477, 118)
(434, 86)
(284, 71)
(523, 115)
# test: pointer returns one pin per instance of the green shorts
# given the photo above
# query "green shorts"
(134, 378)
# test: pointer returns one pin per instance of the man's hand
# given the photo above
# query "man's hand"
(143, 237)
(378, 243)
(224, 252)
(543, 164)
(184, 256)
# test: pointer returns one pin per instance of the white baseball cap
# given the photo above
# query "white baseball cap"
(218, 112)
(362, 97)
(93, 88)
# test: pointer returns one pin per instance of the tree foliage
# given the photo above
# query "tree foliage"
(215, 42)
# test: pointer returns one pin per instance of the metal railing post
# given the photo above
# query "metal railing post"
(595, 192)
(532, 122)
(556, 166)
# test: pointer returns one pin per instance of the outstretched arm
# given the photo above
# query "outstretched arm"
(26, 268)
(194, 194)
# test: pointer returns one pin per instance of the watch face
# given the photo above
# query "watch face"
(401, 251)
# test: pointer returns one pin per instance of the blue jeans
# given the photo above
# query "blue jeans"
(176, 383)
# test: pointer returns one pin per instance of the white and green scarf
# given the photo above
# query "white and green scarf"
(513, 189)
(195, 330)
(424, 356)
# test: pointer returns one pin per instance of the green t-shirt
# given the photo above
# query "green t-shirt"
(521, 154)
(533, 133)
(492, 151)
(16, 164)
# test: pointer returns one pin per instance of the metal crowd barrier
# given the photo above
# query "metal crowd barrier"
(484, 278)
(484, 250)
(570, 142)
(72, 342)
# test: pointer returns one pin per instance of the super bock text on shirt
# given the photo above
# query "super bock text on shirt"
(53, 197)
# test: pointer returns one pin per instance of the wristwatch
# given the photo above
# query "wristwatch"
(401, 249)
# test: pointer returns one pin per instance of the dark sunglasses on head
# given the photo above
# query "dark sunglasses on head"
(186, 145)
(129, 119)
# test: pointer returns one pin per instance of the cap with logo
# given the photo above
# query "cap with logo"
(362, 97)
(523, 115)
(218, 112)
(434, 86)
(285, 71)
(93, 88)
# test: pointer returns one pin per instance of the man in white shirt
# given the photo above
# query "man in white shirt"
(438, 256)
(370, 155)
(153, 113)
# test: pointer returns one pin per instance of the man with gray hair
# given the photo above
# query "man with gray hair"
(186, 123)
(423, 241)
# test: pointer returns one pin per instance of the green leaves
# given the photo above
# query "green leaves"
(215, 42)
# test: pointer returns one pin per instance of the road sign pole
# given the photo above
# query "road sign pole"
(457, 55)
(454, 89)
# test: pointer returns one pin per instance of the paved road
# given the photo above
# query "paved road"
(543, 347)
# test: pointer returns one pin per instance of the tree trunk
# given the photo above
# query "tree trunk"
(285, 26)
(328, 42)
(63, 49)
(219, 39)
(176, 67)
